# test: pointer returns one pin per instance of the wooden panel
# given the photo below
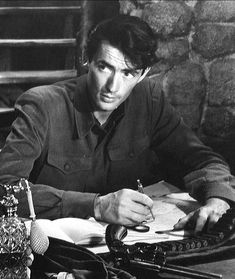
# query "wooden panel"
(71, 42)
(9, 3)
(36, 76)
(23, 8)
(20, 10)
(17, 7)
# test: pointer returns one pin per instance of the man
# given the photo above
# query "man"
(84, 142)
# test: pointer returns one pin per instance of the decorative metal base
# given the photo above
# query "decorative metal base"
(13, 245)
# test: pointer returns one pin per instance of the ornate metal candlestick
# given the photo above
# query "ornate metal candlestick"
(13, 237)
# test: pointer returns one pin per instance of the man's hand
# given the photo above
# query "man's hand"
(207, 215)
(30, 259)
(126, 207)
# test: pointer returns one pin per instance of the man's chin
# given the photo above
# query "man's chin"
(109, 107)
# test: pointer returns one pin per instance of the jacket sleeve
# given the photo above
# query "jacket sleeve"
(205, 172)
(23, 146)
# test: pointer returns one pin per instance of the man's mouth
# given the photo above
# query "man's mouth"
(108, 98)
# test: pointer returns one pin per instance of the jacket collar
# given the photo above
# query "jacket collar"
(83, 116)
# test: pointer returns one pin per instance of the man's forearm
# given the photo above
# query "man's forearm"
(214, 180)
(52, 203)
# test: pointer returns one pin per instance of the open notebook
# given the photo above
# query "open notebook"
(74, 230)
(169, 206)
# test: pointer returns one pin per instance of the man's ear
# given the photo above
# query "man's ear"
(144, 74)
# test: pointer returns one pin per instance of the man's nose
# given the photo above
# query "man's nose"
(113, 83)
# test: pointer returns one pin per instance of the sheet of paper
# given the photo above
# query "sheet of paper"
(169, 206)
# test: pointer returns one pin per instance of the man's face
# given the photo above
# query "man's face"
(110, 79)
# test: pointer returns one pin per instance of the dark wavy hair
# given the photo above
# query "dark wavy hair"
(131, 35)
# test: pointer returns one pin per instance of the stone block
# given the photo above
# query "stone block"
(144, 2)
(173, 51)
(168, 18)
(186, 84)
(222, 82)
(161, 67)
(126, 6)
(215, 11)
(219, 122)
(212, 40)
(191, 114)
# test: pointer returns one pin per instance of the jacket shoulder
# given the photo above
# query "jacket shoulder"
(149, 88)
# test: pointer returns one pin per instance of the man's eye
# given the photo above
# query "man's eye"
(129, 74)
(103, 68)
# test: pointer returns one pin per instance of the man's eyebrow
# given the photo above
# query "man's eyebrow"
(131, 71)
(105, 63)
(126, 70)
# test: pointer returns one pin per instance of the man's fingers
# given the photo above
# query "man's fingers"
(28, 271)
(139, 209)
(28, 251)
(135, 212)
(212, 220)
(143, 199)
(193, 221)
(181, 224)
(30, 256)
(30, 260)
(201, 220)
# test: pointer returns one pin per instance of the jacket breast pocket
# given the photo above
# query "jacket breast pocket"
(128, 151)
(69, 164)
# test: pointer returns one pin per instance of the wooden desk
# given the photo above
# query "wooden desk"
(223, 263)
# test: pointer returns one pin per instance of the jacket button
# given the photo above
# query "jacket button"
(67, 167)
(131, 154)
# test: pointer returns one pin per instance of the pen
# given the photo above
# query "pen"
(141, 190)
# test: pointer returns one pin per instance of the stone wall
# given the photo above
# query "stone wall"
(197, 66)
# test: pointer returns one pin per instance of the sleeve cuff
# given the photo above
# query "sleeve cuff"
(211, 181)
(77, 204)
